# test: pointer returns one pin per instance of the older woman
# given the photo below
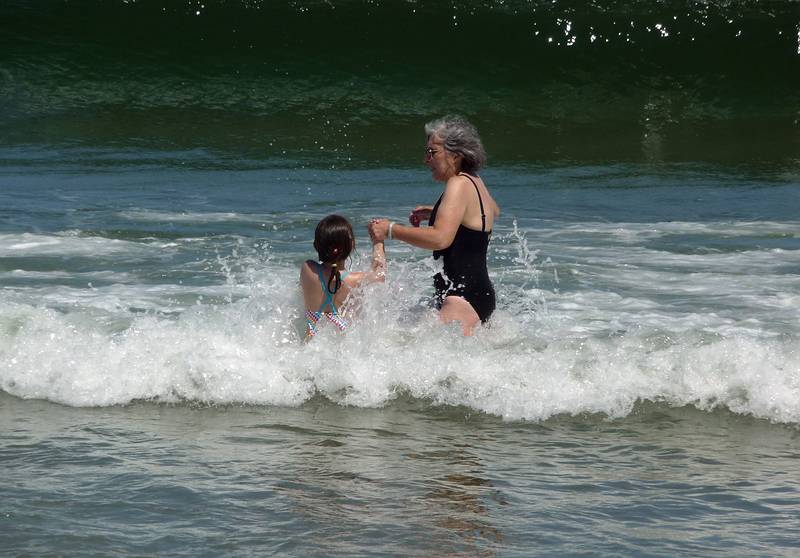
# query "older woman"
(459, 224)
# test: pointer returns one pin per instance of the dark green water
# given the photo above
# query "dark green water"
(350, 82)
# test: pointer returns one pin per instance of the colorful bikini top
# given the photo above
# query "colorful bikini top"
(312, 318)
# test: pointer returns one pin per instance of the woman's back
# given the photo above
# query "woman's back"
(478, 206)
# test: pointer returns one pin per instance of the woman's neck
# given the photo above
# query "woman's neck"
(450, 175)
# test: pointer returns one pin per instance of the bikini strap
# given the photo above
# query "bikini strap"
(328, 296)
(480, 200)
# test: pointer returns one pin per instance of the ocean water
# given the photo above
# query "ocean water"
(162, 168)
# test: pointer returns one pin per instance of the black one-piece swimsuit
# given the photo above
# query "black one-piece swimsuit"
(465, 272)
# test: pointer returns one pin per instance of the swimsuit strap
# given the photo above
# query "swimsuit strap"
(480, 201)
(328, 296)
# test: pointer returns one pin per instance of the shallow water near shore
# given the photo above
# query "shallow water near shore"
(406, 479)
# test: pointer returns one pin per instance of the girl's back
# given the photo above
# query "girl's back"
(327, 284)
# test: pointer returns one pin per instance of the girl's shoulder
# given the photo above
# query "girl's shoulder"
(309, 270)
(310, 266)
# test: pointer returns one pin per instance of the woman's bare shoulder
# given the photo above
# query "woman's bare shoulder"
(458, 181)
(456, 187)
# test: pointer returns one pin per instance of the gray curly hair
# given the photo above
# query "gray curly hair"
(460, 137)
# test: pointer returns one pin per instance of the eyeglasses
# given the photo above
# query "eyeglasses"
(429, 153)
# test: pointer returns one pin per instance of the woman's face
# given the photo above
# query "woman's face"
(443, 164)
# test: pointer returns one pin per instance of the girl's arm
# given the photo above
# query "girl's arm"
(377, 274)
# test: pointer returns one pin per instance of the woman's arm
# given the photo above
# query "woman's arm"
(448, 218)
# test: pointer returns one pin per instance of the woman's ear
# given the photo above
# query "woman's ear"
(458, 158)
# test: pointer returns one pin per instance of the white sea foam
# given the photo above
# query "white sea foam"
(583, 325)
(546, 353)
(192, 217)
(62, 275)
(636, 232)
(66, 244)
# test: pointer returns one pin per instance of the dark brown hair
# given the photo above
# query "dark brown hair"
(333, 241)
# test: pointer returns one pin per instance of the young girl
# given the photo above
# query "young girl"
(326, 283)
